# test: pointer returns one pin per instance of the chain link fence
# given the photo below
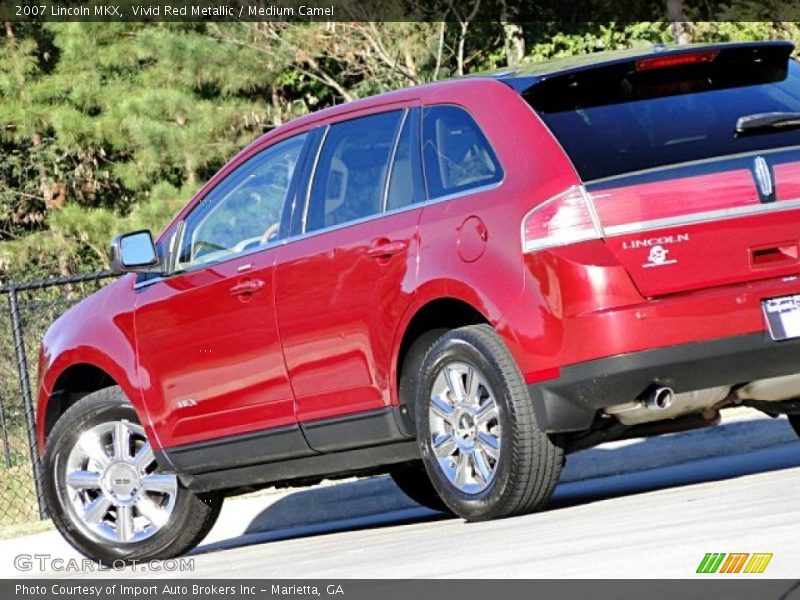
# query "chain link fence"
(26, 311)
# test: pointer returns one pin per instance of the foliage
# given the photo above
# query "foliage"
(110, 127)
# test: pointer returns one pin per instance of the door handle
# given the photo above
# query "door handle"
(245, 288)
(387, 248)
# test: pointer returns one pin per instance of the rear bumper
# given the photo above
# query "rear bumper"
(571, 402)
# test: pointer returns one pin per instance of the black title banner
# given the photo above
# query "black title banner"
(574, 11)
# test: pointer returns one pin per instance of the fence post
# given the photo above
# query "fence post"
(4, 427)
(25, 388)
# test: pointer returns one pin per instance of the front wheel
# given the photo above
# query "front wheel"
(483, 451)
(107, 495)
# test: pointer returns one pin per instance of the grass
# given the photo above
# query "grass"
(20, 529)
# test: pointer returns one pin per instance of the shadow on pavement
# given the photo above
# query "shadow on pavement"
(638, 466)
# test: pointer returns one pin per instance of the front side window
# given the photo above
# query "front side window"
(244, 211)
(351, 171)
(456, 154)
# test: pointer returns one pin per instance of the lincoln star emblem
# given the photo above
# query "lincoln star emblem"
(764, 179)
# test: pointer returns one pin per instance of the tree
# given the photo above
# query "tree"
(94, 125)
(110, 127)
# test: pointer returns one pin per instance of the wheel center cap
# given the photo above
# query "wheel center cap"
(465, 426)
(121, 482)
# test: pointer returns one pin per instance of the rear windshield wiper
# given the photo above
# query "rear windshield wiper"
(764, 122)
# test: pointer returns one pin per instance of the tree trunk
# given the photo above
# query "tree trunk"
(191, 173)
(514, 43)
(277, 117)
(513, 39)
(680, 26)
(462, 39)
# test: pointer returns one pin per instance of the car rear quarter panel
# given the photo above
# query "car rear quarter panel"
(497, 284)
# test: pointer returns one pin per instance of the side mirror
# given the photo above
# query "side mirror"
(134, 253)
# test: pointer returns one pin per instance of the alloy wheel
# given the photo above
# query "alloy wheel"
(114, 486)
(465, 427)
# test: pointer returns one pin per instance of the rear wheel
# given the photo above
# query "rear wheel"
(482, 449)
(107, 495)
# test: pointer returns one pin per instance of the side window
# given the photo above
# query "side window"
(351, 171)
(405, 182)
(456, 154)
(244, 211)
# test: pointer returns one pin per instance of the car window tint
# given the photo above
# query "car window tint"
(351, 171)
(457, 155)
(405, 182)
(615, 119)
(244, 211)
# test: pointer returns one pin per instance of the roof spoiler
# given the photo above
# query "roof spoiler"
(639, 59)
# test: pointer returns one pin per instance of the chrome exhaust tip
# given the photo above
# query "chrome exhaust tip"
(659, 398)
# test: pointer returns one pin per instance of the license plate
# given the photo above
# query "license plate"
(783, 316)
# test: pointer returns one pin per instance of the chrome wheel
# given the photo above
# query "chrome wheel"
(464, 427)
(113, 485)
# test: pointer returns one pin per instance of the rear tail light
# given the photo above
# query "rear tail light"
(564, 219)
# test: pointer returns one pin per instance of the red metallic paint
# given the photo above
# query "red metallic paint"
(97, 332)
(211, 362)
(339, 315)
(335, 304)
(664, 199)
(472, 238)
(496, 285)
(787, 181)
(718, 253)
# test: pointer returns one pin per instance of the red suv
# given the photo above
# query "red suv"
(454, 284)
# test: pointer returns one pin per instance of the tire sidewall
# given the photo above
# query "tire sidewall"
(454, 348)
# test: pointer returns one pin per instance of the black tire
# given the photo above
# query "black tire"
(528, 462)
(794, 421)
(189, 521)
(411, 369)
(414, 482)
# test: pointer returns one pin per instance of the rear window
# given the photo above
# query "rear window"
(615, 119)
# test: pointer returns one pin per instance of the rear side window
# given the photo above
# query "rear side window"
(616, 119)
(352, 170)
(405, 182)
(456, 154)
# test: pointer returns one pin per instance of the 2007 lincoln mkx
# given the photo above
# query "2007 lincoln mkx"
(453, 284)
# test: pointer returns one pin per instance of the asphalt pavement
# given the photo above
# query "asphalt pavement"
(636, 509)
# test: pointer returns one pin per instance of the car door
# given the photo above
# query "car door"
(342, 287)
(211, 365)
